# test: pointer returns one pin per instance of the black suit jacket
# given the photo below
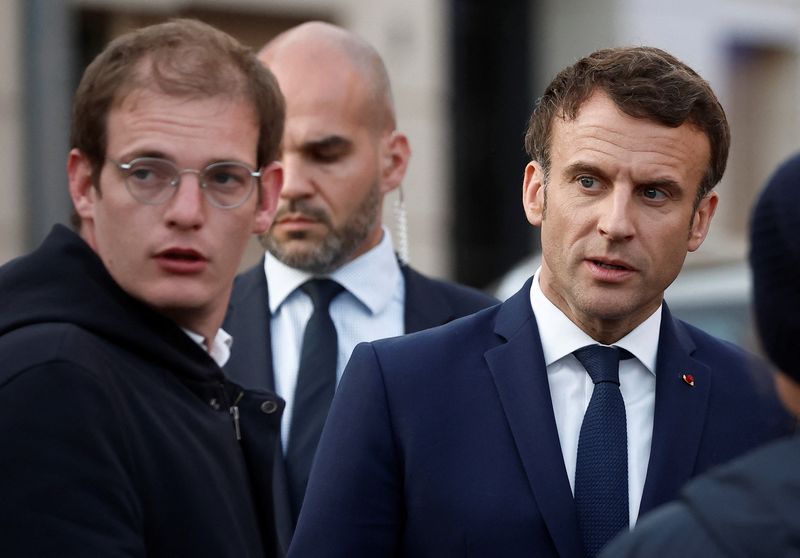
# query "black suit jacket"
(429, 302)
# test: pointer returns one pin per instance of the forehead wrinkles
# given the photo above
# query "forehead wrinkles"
(639, 142)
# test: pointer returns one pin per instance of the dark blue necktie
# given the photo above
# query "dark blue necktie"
(601, 471)
(316, 383)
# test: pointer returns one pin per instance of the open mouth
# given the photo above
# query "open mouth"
(182, 261)
(182, 255)
(605, 265)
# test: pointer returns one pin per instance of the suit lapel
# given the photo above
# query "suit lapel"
(248, 321)
(520, 376)
(424, 307)
(680, 412)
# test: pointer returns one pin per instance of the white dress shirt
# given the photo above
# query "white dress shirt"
(571, 387)
(371, 307)
(220, 349)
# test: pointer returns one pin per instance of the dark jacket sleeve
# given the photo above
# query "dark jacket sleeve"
(66, 488)
(671, 530)
(353, 506)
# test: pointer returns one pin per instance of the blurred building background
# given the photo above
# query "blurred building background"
(465, 74)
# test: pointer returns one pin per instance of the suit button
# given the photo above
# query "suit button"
(268, 407)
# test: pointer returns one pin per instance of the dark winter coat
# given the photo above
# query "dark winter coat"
(118, 434)
(749, 508)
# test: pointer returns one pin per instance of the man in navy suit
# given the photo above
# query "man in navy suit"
(748, 507)
(341, 154)
(465, 440)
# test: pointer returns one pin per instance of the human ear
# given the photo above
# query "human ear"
(533, 193)
(395, 155)
(270, 184)
(702, 220)
(81, 184)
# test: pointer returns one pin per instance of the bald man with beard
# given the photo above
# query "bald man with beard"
(341, 155)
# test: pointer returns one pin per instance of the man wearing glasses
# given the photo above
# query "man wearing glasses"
(120, 434)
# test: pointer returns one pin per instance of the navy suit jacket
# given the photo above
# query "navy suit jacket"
(429, 302)
(444, 443)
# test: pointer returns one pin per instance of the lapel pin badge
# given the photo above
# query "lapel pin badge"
(689, 379)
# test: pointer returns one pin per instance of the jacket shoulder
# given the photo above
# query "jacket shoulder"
(464, 337)
(726, 512)
(251, 282)
(714, 351)
(44, 343)
(740, 501)
(464, 300)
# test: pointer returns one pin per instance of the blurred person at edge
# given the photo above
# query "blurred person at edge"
(749, 507)
(465, 440)
(341, 155)
(120, 434)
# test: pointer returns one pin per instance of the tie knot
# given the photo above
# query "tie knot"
(602, 363)
(322, 292)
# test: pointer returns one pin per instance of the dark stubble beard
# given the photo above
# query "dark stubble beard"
(337, 247)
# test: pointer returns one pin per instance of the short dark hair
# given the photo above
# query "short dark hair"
(182, 58)
(644, 82)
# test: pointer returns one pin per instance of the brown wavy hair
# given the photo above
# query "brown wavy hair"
(182, 58)
(643, 82)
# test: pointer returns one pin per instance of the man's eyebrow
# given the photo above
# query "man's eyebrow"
(581, 167)
(327, 142)
(149, 153)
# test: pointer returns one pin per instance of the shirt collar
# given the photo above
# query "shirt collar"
(371, 278)
(220, 347)
(560, 336)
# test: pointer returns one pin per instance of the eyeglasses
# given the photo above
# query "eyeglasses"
(153, 181)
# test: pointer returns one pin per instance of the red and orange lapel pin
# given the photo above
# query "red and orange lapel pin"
(689, 379)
